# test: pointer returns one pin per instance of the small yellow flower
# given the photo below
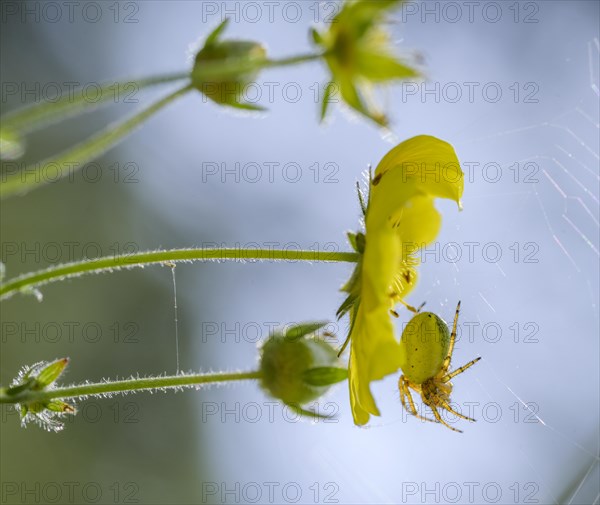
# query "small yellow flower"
(400, 219)
(359, 55)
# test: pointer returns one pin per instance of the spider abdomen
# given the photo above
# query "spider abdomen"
(424, 345)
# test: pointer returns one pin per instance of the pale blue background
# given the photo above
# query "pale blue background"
(170, 451)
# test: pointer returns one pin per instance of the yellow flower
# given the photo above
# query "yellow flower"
(358, 54)
(400, 219)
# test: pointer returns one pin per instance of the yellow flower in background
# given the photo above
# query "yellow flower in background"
(359, 55)
(400, 219)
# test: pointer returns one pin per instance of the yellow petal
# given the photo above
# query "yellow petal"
(401, 217)
(374, 351)
(417, 223)
(374, 354)
(422, 165)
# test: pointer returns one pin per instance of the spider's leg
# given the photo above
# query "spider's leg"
(413, 409)
(405, 397)
(439, 418)
(410, 307)
(402, 389)
(447, 406)
(460, 370)
(446, 363)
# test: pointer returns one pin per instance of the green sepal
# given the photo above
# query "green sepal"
(50, 373)
(360, 243)
(352, 239)
(216, 33)
(294, 407)
(29, 383)
(316, 37)
(245, 106)
(329, 89)
(346, 305)
(60, 406)
(324, 375)
(302, 330)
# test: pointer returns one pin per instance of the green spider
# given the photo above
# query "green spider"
(427, 350)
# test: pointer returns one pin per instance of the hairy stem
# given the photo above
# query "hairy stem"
(39, 115)
(75, 157)
(294, 60)
(233, 67)
(33, 117)
(110, 263)
(127, 385)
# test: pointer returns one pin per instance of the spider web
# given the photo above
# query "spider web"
(567, 200)
(547, 388)
(560, 211)
(571, 170)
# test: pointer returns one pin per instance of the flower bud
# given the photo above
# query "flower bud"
(223, 68)
(37, 378)
(50, 373)
(297, 367)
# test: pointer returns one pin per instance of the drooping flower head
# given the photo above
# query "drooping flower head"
(400, 219)
(359, 55)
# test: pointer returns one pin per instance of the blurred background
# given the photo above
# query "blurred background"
(513, 86)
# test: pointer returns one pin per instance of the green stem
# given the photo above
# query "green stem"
(36, 116)
(128, 385)
(234, 67)
(75, 157)
(293, 60)
(35, 279)
(33, 117)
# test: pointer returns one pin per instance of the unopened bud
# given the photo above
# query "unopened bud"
(297, 367)
(223, 68)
